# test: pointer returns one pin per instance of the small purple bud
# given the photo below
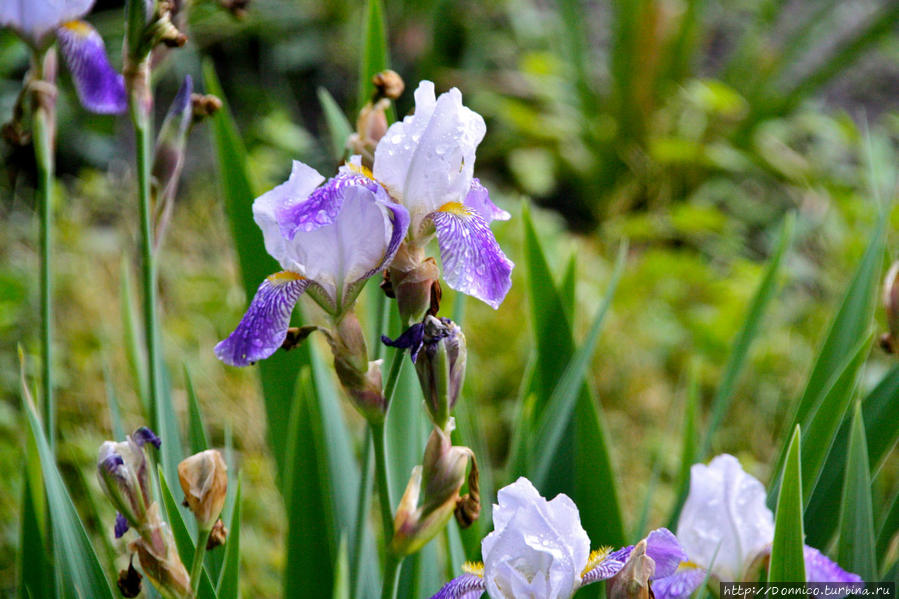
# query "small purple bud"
(121, 525)
(111, 463)
(145, 435)
(411, 339)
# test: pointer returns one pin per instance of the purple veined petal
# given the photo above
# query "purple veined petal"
(264, 326)
(467, 586)
(608, 567)
(478, 199)
(411, 339)
(473, 262)
(121, 525)
(145, 435)
(819, 568)
(100, 88)
(35, 19)
(666, 551)
(680, 584)
(321, 207)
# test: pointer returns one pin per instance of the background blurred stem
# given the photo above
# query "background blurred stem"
(43, 154)
(362, 509)
(196, 568)
(139, 106)
(391, 576)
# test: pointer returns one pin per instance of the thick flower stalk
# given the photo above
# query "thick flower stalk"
(726, 529)
(426, 163)
(539, 550)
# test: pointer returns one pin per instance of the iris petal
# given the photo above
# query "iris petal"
(478, 199)
(665, 550)
(100, 88)
(680, 584)
(473, 262)
(264, 326)
(467, 586)
(34, 20)
(818, 568)
(609, 567)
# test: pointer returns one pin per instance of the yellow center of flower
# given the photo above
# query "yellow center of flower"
(596, 558)
(456, 208)
(361, 170)
(476, 568)
(78, 27)
(285, 276)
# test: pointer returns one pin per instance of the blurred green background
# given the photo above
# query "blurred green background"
(689, 127)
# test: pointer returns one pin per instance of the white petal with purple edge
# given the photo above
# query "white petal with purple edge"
(473, 262)
(34, 19)
(100, 88)
(427, 159)
(725, 507)
(264, 326)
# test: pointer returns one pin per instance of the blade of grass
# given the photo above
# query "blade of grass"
(342, 572)
(278, 373)
(568, 287)
(748, 332)
(339, 127)
(787, 561)
(72, 549)
(35, 572)
(112, 402)
(375, 57)
(166, 426)
(855, 549)
(196, 431)
(689, 447)
(228, 582)
(889, 526)
(881, 413)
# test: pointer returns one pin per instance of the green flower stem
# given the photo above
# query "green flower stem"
(43, 153)
(143, 130)
(196, 568)
(362, 508)
(391, 576)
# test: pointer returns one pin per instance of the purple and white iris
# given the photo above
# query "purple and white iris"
(426, 163)
(100, 88)
(328, 239)
(539, 550)
(726, 529)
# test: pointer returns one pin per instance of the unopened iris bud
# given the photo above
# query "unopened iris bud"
(889, 341)
(360, 378)
(413, 278)
(204, 480)
(437, 347)
(436, 483)
(160, 561)
(124, 477)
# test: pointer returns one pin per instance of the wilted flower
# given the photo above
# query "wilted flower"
(159, 558)
(328, 240)
(123, 474)
(204, 480)
(539, 550)
(726, 527)
(426, 163)
(441, 366)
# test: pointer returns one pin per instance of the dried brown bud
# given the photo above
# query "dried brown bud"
(159, 558)
(388, 84)
(204, 480)
(632, 581)
(204, 105)
(218, 536)
(129, 581)
(468, 508)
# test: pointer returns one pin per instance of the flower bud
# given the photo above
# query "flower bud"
(360, 378)
(412, 281)
(169, 156)
(204, 480)
(436, 483)
(160, 561)
(123, 474)
(438, 350)
(632, 581)
(889, 341)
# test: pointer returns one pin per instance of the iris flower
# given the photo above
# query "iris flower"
(426, 163)
(328, 239)
(539, 550)
(100, 88)
(726, 529)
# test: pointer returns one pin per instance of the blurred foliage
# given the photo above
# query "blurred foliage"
(687, 127)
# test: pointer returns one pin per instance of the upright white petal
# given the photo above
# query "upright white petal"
(34, 19)
(427, 159)
(725, 512)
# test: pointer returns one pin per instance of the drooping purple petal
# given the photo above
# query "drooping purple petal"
(100, 88)
(678, 585)
(145, 435)
(608, 567)
(819, 568)
(467, 586)
(473, 262)
(478, 199)
(411, 339)
(264, 326)
(121, 525)
(666, 551)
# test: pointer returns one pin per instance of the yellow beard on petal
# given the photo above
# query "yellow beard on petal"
(456, 208)
(476, 568)
(596, 558)
(361, 170)
(285, 276)
(79, 28)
